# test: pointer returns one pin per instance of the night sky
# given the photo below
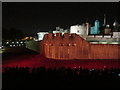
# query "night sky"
(34, 17)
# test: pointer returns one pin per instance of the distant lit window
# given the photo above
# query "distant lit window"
(62, 44)
(74, 44)
(10, 45)
(12, 42)
(17, 42)
(119, 75)
(21, 42)
(69, 44)
(51, 44)
(14, 45)
(1, 47)
(7, 42)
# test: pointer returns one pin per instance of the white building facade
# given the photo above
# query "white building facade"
(41, 35)
(81, 30)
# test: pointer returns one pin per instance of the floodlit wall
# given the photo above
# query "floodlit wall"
(78, 29)
(32, 45)
(72, 46)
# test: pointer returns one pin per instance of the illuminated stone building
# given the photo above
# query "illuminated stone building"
(72, 46)
(92, 34)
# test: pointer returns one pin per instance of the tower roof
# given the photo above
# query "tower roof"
(115, 23)
(97, 20)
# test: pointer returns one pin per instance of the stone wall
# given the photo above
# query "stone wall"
(72, 46)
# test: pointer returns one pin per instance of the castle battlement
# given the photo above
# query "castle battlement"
(60, 36)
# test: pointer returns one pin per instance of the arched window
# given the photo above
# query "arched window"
(74, 44)
(51, 44)
(62, 44)
(68, 44)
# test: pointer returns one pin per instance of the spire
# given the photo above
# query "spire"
(104, 20)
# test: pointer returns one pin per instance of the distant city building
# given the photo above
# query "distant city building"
(95, 29)
(97, 34)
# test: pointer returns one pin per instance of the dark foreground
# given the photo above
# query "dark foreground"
(23, 78)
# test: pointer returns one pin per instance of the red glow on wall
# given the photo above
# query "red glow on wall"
(72, 46)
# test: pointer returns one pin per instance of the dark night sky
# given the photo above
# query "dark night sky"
(38, 16)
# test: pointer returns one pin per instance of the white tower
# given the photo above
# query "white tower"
(75, 29)
(81, 30)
